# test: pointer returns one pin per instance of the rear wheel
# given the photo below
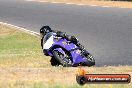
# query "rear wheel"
(64, 60)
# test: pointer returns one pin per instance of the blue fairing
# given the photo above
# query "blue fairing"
(76, 57)
(60, 50)
(64, 43)
(61, 45)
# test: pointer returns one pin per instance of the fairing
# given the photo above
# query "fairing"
(61, 44)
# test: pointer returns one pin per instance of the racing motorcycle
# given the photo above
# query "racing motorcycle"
(64, 52)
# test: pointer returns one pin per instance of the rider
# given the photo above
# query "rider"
(73, 39)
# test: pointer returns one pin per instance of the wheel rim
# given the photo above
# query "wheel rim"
(65, 58)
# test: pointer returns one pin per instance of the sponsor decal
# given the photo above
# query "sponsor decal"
(83, 78)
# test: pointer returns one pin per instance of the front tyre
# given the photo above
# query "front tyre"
(64, 60)
(91, 60)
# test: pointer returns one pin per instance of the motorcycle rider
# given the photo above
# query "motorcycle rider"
(73, 39)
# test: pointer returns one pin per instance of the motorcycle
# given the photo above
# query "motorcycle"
(64, 52)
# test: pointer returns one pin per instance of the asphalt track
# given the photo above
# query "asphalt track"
(105, 32)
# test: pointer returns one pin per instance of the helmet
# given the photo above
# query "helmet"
(44, 30)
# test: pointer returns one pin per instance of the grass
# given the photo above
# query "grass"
(123, 4)
(19, 49)
(23, 65)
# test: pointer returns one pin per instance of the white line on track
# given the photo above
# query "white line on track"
(78, 4)
(22, 29)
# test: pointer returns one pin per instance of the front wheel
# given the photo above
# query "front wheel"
(64, 60)
(91, 60)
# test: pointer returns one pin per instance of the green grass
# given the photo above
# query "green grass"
(19, 49)
(23, 65)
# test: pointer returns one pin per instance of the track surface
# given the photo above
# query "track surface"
(105, 32)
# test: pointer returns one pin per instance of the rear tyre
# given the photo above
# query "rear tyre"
(64, 60)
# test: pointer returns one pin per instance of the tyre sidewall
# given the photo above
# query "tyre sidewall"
(64, 64)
